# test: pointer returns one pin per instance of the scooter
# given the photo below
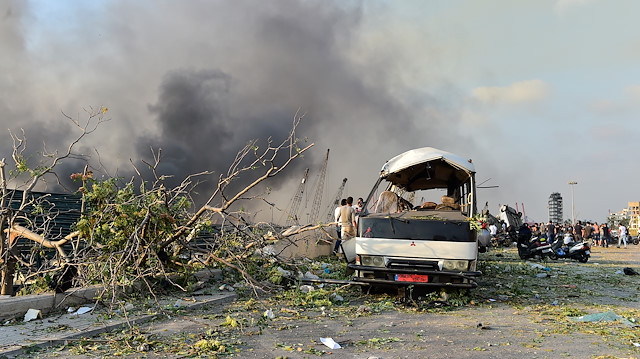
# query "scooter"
(536, 247)
(567, 248)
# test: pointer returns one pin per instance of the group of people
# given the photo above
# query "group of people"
(593, 233)
(346, 216)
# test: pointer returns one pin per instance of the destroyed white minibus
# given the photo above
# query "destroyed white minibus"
(415, 228)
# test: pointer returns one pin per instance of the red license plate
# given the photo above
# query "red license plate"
(420, 278)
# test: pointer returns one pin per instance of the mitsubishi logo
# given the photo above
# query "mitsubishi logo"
(413, 244)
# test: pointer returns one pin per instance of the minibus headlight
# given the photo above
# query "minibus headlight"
(372, 261)
(455, 265)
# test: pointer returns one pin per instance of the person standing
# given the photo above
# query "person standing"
(358, 207)
(587, 232)
(605, 235)
(577, 232)
(348, 220)
(622, 235)
(551, 232)
(596, 233)
(336, 214)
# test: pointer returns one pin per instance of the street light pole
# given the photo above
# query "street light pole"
(573, 218)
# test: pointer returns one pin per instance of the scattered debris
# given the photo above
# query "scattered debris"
(337, 297)
(306, 288)
(330, 343)
(32, 314)
(269, 314)
(311, 275)
(538, 266)
(629, 271)
(284, 272)
(542, 275)
(609, 316)
(82, 310)
(180, 303)
(226, 287)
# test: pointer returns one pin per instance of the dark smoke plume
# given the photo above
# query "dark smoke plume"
(200, 79)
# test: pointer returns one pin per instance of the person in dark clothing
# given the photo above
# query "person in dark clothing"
(587, 233)
(577, 232)
(604, 236)
(551, 232)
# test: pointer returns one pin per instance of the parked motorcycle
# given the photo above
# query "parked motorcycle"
(532, 247)
(565, 247)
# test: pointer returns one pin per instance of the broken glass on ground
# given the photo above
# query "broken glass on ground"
(609, 316)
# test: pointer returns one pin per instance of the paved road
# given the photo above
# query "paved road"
(514, 314)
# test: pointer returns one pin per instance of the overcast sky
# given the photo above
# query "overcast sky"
(538, 93)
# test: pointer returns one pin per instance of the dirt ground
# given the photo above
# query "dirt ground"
(521, 309)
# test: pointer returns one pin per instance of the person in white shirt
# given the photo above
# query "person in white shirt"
(622, 235)
(493, 229)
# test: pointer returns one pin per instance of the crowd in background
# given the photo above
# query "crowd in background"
(591, 232)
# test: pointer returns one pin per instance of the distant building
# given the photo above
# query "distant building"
(555, 207)
(634, 217)
(630, 214)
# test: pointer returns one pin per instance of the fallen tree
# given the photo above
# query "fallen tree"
(25, 215)
(136, 235)
(146, 232)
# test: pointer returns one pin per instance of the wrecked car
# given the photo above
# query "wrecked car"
(416, 227)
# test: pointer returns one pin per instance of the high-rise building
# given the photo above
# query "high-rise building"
(555, 208)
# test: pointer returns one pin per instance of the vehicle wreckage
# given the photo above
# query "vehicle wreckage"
(399, 244)
(427, 245)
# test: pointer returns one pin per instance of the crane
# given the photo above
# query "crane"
(317, 201)
(292, 215)
(336, 201)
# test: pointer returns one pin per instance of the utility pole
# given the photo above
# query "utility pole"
(573, 218)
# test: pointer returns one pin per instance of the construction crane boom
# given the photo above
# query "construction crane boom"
(336, 201)
(317, 201)
(292, 215)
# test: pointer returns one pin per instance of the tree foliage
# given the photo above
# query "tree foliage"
(136, 233)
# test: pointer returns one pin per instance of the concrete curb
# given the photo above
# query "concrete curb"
(46, 302)
(52, 340)
(13, 338)
(12, 307)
